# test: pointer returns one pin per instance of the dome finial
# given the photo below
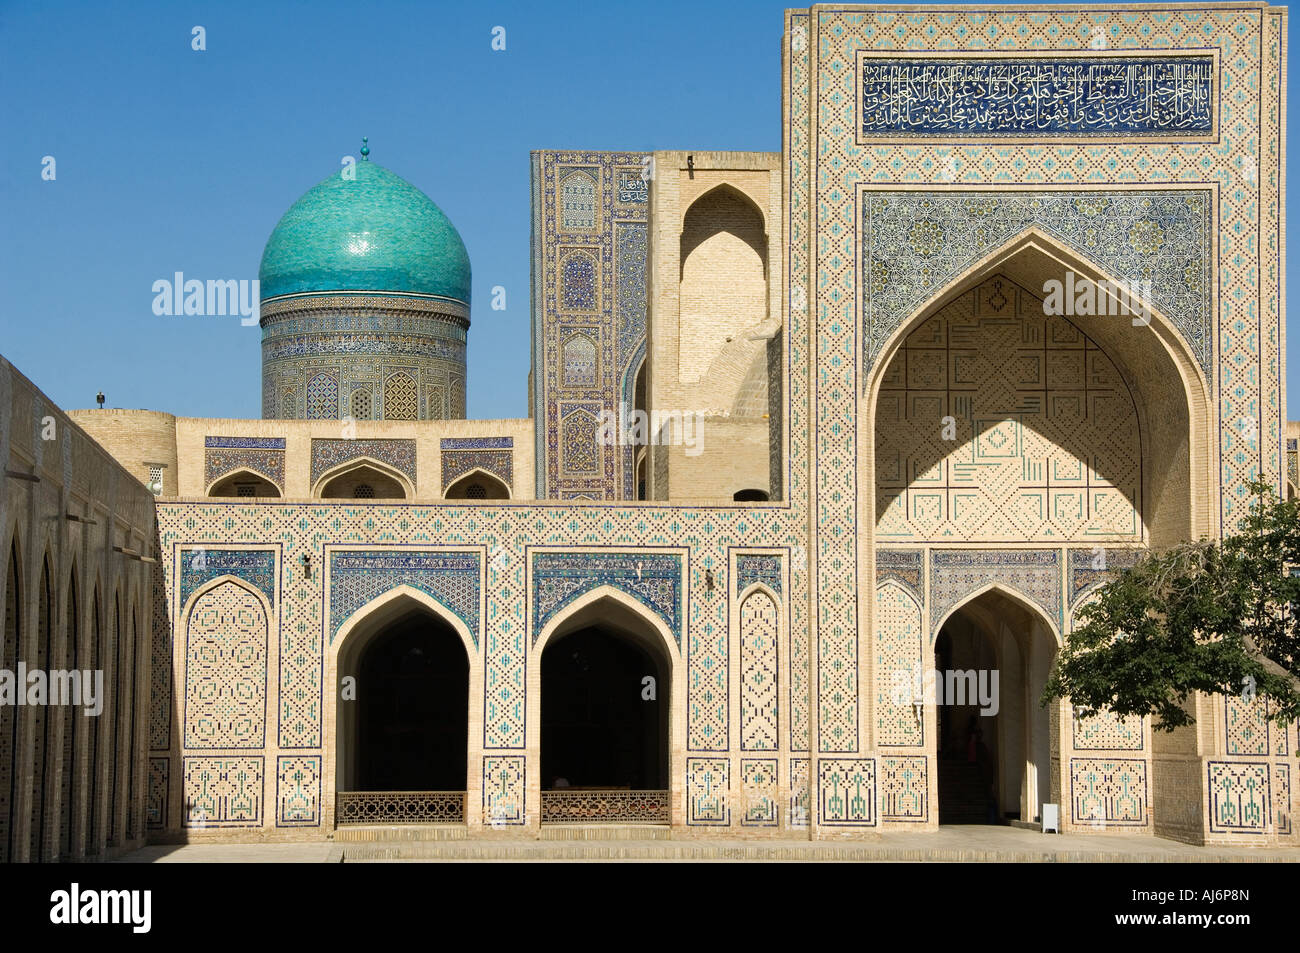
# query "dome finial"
(365, 148)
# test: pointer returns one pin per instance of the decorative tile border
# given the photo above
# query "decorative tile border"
(653, 579)
(357, 576)
(956, 573)
(328, 453)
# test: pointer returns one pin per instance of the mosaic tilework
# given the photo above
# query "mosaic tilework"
(800, 807)
(708, 791)
(157, 795)
(903, 566)
(579, 431)
(503, 790)
(199, 566)
(1106, 731)
(456, 463)
(589, 261)
(914, 242)
(326, 454)
(758, 568)
(226, 669)
(1033, 573)
(1282, 798)
(1089, 568)
(760, 628)
(391, 347)
(904, 790)
(1044, 442)
(268, 463)
(359, 576)
(305, 529)
(1093, 94)
(1240, 797)
(899, 643)
(244, 443)
(578, 282)
(653, 579)
(758, 785)
(476, 443)
(297, 791)
(799, 364)
(1113, 791)
(160, 672)
(222, 792)
(847, 789)
(1245, 726)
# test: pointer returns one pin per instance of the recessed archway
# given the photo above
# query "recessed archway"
(478, 484)
(363, 480)
(995, 744)
(402, 727)
(606, 713)
(244, 483)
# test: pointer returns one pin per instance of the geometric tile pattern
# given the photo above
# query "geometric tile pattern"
(297, 787)
(156, 799)
(503, 790)
(1282, 798)
(455, 464)
(898, 643)
(995, 422)
(1113, 791)
(267, 463)
(848, 791)
(1090, 568)
(1240, 797)
(654, 579)
(904, 791)
(358, 576)
(759, 792)
(800, 796)
(222, 792)
(758, 568)
(200, 566)
(707, 791)
(1245, 726)
(589, 272)
(328, 453)
(1033, 573)
(760, 628)
(244, 443)
(226, 669)
(1106, 731)
(903, 566)
(914, 242)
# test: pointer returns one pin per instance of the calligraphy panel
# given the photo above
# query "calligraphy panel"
(1093, 94)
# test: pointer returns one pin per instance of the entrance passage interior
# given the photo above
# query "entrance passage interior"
(604, 708)
(407, 729)
(992, 658)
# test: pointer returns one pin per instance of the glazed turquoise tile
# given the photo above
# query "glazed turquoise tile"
(371, 232)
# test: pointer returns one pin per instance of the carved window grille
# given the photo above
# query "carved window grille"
(606, 807)
(361, 405)
(400, 398)
(363, 491)
(400, 807)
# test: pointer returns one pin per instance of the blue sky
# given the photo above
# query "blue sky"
(174, 160)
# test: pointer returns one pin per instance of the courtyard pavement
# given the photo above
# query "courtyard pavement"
(951, 843)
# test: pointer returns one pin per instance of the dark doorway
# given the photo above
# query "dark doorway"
(412, 708)
(604, 726)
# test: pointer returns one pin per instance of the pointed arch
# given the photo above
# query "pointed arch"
(69, 788)
(343, 479)
(1157, 364)
(1032, 608)
(244, 482)
(41, 715)
(95, 731)
(346, 649)
(759, 631)
(10, 762)
(488, 484)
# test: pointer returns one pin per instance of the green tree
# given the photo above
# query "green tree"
(1221, 617)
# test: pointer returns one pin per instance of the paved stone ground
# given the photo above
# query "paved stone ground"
(956, 843)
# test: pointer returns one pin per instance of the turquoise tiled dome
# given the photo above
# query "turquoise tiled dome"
(375, 232)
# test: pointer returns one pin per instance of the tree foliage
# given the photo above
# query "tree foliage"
(1221, 617)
